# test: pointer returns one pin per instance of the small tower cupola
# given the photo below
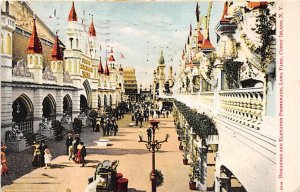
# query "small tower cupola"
(92, 31)
(161, 59)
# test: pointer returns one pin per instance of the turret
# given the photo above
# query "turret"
(57, 61)
(92, 41)
(35, 54)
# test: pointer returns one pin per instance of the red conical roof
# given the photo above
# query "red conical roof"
(225, 12)
(106, 71)
(200, 37)
(100, 68)
(92, 30)
(56, 54)
(72, 14)
(111, 57)
(34, 44)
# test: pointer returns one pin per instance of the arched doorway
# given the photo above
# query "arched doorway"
(49, 107)
(67, 105)
(23, 113)
(228, 181)
(83, 104)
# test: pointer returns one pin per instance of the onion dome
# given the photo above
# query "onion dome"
(34, 44)
(100, 68)
(225, 13)
(106, 71)
(92, 31)
(56, 54)
(72, 14)
(161, 59)
(258, 4)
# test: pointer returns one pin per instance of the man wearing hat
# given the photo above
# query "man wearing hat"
(69, 142)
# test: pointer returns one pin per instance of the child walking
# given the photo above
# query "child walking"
(47, 157)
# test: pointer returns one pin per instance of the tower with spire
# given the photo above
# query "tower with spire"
(92, 40)
(73, 53)
(161, 73)
(35, 54)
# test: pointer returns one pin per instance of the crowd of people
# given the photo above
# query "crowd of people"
(76, 149)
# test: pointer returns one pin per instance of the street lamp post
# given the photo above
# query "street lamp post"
(153, 146)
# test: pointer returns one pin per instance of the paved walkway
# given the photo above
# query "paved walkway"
(134, 163)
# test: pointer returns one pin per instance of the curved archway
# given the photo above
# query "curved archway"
(67, 105)
(83, 103)
(88, 91)
(229, 182)
(49, 107)
(23, 113)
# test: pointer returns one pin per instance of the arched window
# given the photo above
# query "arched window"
(30, 60)
(7, 7)
(71, 42)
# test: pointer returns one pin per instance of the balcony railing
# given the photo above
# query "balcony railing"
(244, 106)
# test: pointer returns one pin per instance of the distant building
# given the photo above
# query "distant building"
(130, 83)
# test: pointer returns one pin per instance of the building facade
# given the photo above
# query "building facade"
(234, 84)
(43, 78)
(130, 84)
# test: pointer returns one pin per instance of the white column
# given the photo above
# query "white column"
(38, 109)
(59, 104)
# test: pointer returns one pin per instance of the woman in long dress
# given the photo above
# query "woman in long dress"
(47, 158)
(79, 158)
(37, 158)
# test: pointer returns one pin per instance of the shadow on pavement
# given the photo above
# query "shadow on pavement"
(116, 151)
(135, 190)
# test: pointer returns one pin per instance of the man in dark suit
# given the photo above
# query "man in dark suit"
(42, 147)
(83, 153)
(69, 142)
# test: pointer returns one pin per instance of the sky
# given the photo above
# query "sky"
(138, 30)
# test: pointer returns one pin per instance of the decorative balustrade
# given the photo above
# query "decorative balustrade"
(25, 127)
(244, 106)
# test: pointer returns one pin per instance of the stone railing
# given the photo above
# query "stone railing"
(244, 106)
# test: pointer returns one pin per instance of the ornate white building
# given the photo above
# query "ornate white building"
(74, 80)
(234, 83)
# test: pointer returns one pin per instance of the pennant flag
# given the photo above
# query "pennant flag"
(122, 56)
(197, 12)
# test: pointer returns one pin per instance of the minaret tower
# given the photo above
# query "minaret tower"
(112, 69)
(35, 55)
(57, 61)
(73, 53)
(92, 40)
(161, 73)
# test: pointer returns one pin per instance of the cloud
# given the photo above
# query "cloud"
(133, 31)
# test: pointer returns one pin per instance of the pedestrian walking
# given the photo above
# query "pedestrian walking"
(141, 121)
(37, 159)
(149, 134)
(69, 142)
(47, 158)
(4, 166)
(116, 128)
(43, 146)
(83, 153)
(167, 113)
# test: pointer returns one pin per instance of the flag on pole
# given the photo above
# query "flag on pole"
(122, 56)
